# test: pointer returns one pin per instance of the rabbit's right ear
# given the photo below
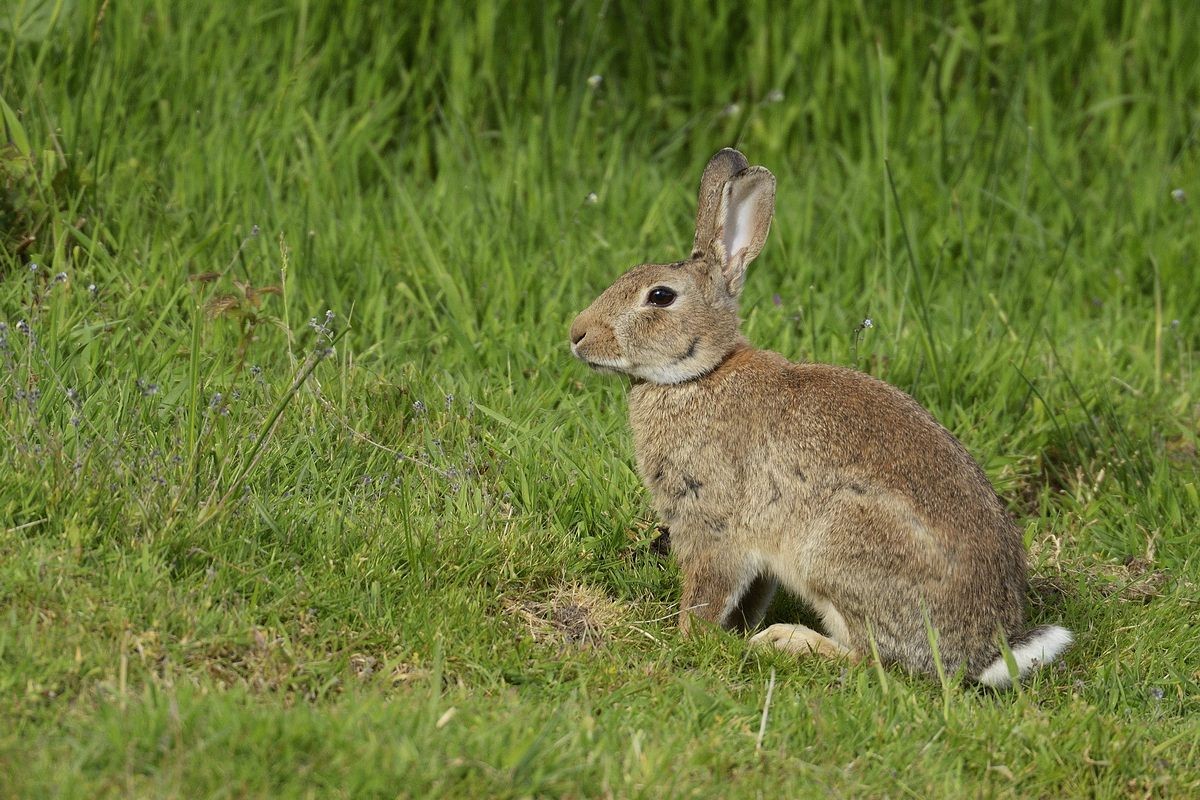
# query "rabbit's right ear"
(743, 220)
(721, 167)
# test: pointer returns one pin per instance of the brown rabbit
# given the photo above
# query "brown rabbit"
(821, 479)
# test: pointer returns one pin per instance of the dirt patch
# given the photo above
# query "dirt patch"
(1133, 581)
(365, 667)
(577, 615)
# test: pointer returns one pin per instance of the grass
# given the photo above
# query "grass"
(403, 551)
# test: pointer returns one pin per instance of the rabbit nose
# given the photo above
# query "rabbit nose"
(578, 331)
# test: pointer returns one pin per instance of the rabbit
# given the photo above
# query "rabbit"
(826, 481)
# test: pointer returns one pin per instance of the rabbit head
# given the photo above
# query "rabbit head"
(668, 323)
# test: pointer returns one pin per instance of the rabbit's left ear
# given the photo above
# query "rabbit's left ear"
(743, 220)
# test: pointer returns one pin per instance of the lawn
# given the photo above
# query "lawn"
(304, 495)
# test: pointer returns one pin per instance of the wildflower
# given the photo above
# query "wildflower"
(418, 407)
(254, 231)
(1179, 196)
(777, 299)
(449, 401)
(731, 110)
(92, 289)
(33, 267)
(591, 199)
(775, 96)
(76, 403)
(24, 328)
(324, 329)
(867, 323)
(146, 388)
(594, 81)
(60, 277)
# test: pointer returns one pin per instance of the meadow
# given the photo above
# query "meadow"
(302, 494)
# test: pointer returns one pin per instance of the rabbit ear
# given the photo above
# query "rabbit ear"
(743, 220)
(721, 167)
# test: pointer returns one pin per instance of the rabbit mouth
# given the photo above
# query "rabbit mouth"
(604, 365)
(598, 363)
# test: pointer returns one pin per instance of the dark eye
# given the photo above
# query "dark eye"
(661, 296)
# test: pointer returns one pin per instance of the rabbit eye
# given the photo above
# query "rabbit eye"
(661, 296)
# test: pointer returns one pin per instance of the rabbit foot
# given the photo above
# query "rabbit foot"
(802, 641)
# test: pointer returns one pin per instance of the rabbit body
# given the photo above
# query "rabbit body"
(850, 495)
(829, 482)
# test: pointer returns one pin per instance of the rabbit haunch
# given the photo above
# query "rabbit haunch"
(828, 482)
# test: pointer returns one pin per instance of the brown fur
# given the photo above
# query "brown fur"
(824, 480)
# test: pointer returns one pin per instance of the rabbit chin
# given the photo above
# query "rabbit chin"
(675, 372)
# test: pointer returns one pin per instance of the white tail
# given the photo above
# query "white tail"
(1038, 647)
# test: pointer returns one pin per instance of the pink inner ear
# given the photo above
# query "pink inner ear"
(736, 236)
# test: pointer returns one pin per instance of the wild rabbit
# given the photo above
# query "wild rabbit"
(829, 482)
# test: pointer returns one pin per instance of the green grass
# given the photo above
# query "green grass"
(425, 569)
